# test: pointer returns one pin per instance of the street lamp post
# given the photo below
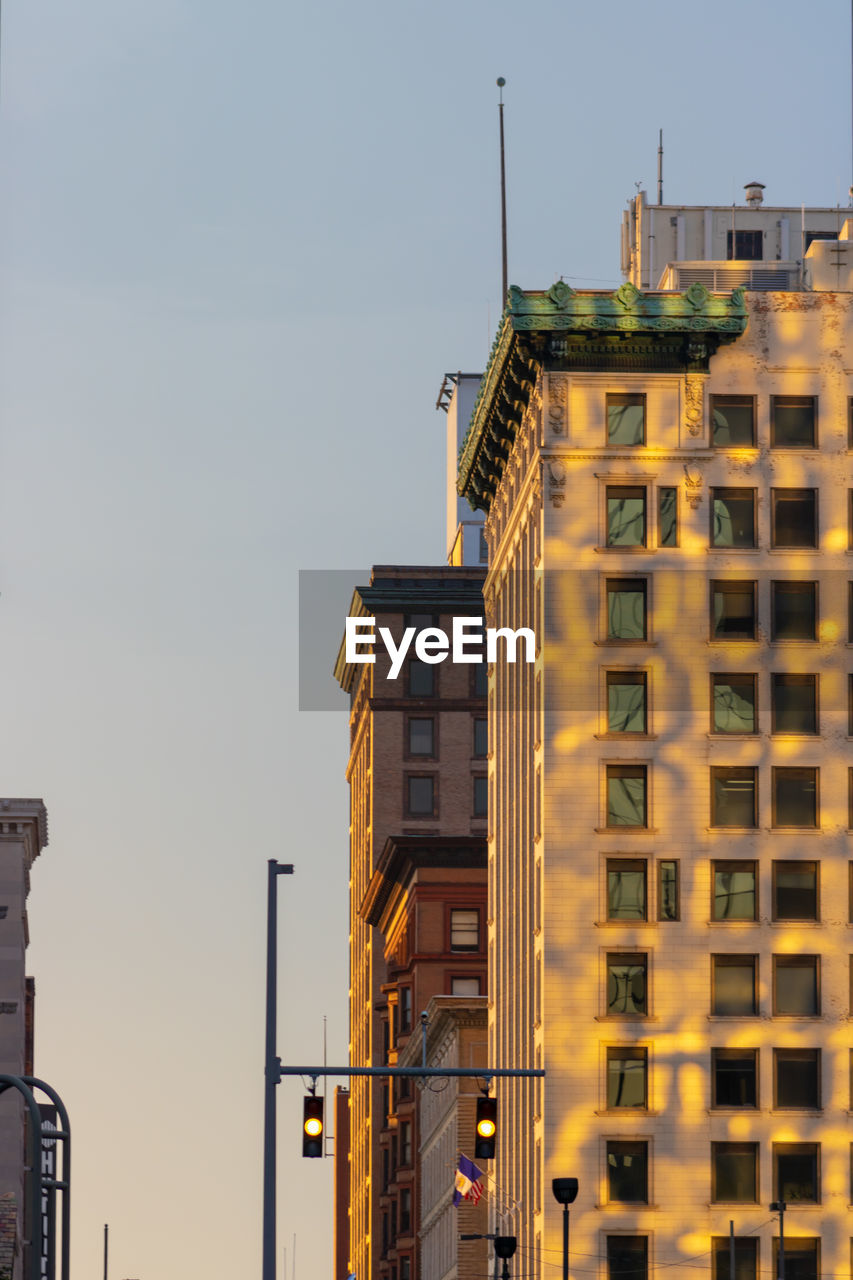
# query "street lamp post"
(779, 1206)
(271, 1073)
(565, 1193)
(505, 1247)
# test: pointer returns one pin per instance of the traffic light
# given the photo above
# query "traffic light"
(487, 1128)
(312, 1127)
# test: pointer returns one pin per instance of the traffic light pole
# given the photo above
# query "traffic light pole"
(272, 1072)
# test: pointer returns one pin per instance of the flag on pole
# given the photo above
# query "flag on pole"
(468, 1184)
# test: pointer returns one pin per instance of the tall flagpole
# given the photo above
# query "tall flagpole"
(501, 82)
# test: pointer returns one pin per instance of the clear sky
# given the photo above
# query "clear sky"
(239, 246)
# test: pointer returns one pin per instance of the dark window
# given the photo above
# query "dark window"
(667, 517)
(421, 736)
(626, 889)
(733, 610)
(732, 421)
(628, 1172)
(405, 1008)
(420, 797)
(626, 516)
(732, 517)
(734, 986)
(734, 1172)
(802, 1258)
(748, 246)
(795, 797)
(481, 797)
(626, 419)
(421, 679)
(735, 891)
(794, 703)
(794, 517)
(793, 422)
(626, 702)
(626, 795)
(796, 1172)
(795, 891)
(734, 1077)
(794, 611)
(627, 1077)
(405, 1210)
(668, 890)
(406, 1267)
(626, 983)
(464, 931)
(480, 678)
(733, 703)
(796, 986)
(819, 235)
(481, 737)
(627, 1258)
(626, 608)
(796, 1078)
(733, 796)
(746, 1258)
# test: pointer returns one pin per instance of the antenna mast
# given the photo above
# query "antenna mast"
(660, 167)
(501, 82)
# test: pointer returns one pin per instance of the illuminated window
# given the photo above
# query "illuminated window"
(420, 796)
(628, 1172)
(626, 419)
(735, 891)
(733, 518)
(626, 889)
(794, 703)
(481, 737)
(627, 1077)
(796, 986)
(668, 890)
(793, 610)
(732, 610)
(626, 702)
(667, 516)
(627, 1257)
(802, 1258)
(421, 679)
(793, 422)
(795, 797)
(746, 1257)
(733, 796)
(481, 797)
(793, 517)
(796, 1079)
(421, 736)
(795, 891)
(732, 422)
(464, 931)
(734, 703)
(734, 1077)
(796, 1173)
(734, 986)
(626, 609)
(627, 986)
(627, 799)
(734, 1172)
(626, 516)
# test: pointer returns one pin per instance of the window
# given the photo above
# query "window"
(406, 1267)
(796, 1079)
(793, 517)
(627, 1257)
(464, 931)
(626, 516)
(627, 1077)
(668, 890)
(667, 516)
(733, 703)
(732, 422)
(735, 891)
(626, 795)
(734, 1172)
(405, 1008)
(732, 610)
(481, 737)
(626, 419)
(480, 679)
(421, 679)
(421, 736)
(794, 703)
(627, 983)
(734, 986)
(420, 797)
(734, 797)
(794, 610)
(464, 986)
(628, 1172)
(795, 891)
(796, 1173)
(405, 1210)
(733, 518)
(626, 702)
(748, 246)
(746, 1258)
(795, 797)
(626, 889)
(626, 609)
(734, 1077)
(793, 422)
(802, 1258)
(481, 797)
(796, 986)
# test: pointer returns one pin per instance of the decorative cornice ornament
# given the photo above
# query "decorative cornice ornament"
(556, 482)
(693, 485)
(558, 396)
(694, 399)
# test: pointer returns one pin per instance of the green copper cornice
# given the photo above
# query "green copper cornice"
(565, 329)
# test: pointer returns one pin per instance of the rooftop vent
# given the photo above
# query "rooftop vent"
(754, 194)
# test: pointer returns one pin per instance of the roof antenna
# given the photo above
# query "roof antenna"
(500, 83)
(660, 167)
